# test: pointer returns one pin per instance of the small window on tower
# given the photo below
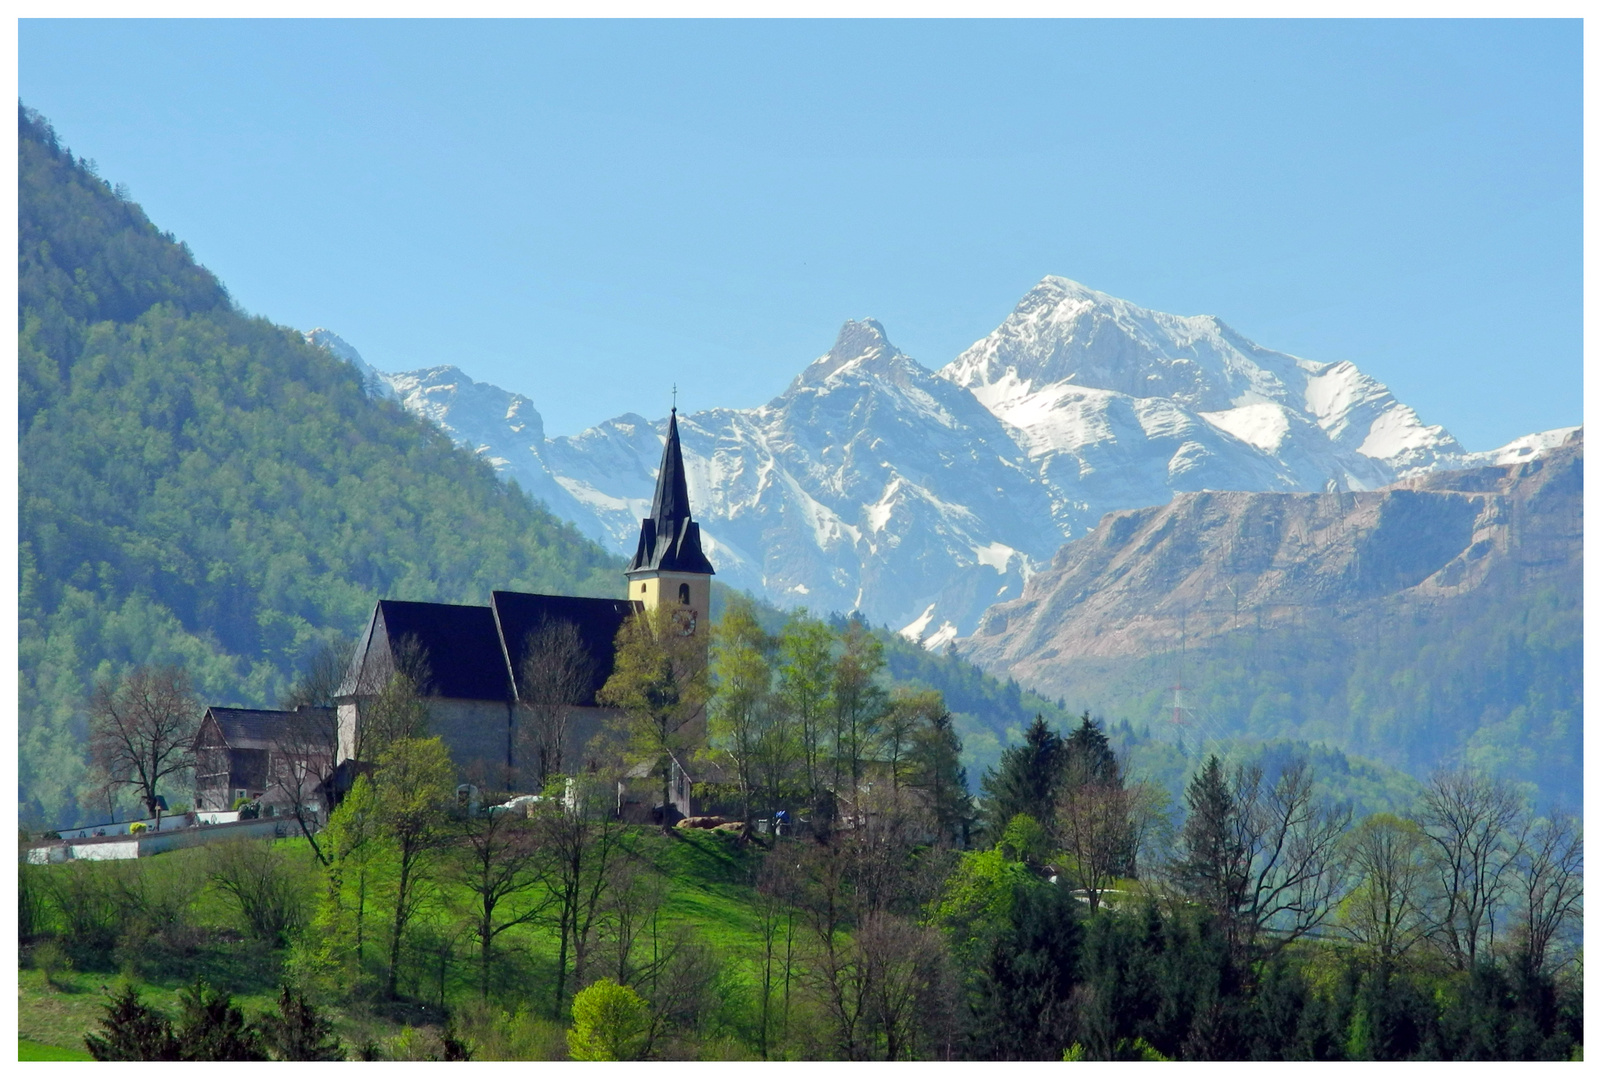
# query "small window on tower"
(684, 594)
(642, 586)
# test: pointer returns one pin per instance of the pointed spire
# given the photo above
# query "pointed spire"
(669, 539)
(672, 499)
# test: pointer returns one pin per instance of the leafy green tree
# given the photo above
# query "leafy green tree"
(860, 704)
(806, 692)
(1026, 779)
(336, 948)
(743, 711)
(660, 683)
(934, 767)
(610, 1023)
(412, 791)
(1023, 988)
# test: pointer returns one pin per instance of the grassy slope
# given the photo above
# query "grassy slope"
(708, 887)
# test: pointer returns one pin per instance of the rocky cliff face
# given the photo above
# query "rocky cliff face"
(1208, 564)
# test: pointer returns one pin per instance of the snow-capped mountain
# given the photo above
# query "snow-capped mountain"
(1121, 407)
(921, 498)
(869, 484)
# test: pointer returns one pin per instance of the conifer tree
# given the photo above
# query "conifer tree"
(212, 1028)
(1026, 779)
(132, 1031)
(1088, 757)
(298, 1032)
(1214, 861)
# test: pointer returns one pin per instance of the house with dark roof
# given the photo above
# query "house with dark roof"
(467, 660)
(270, 756)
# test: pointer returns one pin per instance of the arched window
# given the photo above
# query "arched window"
(684, 594)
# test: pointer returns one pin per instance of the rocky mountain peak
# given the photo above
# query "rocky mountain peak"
(860, 341)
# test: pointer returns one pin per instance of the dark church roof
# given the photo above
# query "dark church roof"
(473, 652)
(461, 644)
(249, 729)
(520, 614)
(669, 540)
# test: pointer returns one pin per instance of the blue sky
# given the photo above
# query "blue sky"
(591, 212)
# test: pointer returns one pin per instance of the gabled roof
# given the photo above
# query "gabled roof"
(669, 539)
(248, 729)
(461, 645)
(519, 614)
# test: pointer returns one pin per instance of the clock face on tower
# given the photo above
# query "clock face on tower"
(684, 621)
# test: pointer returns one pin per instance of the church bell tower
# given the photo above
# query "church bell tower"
(669, 569)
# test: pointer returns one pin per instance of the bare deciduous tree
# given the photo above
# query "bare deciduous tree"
(1094, 831)
(142, 729)
(302, 755)
(1550, 881)
(554, 676)
(1296, 857)
(259, 879)
(393, 708)
(580, 842)
(633, 902)
(497, 862)
(907, 987)
(1469, 822)
(1266, 859)
(321, 679)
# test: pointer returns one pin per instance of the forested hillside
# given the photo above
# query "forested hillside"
(199, 486)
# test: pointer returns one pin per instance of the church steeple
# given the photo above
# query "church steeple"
(670, 542)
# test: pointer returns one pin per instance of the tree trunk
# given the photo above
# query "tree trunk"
(399, 927)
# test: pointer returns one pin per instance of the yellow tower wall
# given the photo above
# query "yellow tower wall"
(660, 588)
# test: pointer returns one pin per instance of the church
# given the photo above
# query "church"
(469, 660)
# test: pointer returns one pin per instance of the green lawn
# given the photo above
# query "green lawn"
(28, 1050)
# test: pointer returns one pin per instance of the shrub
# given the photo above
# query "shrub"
(50, 958)
(136, 828)
(610, 1023)
(90, 910)
(260, 879)
(32, 913)
(498, 1035)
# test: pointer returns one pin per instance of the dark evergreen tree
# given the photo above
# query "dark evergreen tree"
(938, 774)
(1022, 995)
(132, 1031)
(298, 1032)
(1088, 757)
(1026, 779)
(1214, 861)
(212, 1028)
